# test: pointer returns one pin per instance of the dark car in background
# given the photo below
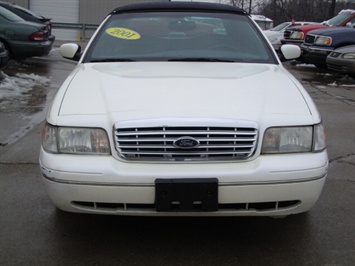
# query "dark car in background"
(23, 38)
(342, 60)
(29, 15)
(296, 35)
(276, 34)
(318, 44)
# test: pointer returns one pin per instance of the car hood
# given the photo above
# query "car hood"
(306, 28)
(274, 36)
(142, 90)
(333, 31)
(346, 49)
(269, 33)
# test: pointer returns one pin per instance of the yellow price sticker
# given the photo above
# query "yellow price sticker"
(123, 33)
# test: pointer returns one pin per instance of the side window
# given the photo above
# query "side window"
(9, 15)
(351, 23)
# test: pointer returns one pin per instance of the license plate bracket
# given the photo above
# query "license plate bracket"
(186, 194)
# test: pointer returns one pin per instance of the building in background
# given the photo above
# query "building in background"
(263, 22)
(76, 12)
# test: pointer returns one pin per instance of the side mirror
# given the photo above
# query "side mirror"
(70, 51)
(290, 51)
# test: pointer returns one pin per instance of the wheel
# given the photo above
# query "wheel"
(2, 77)
(4, 47)
(4, 58)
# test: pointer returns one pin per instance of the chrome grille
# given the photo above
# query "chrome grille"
(157, 143)
(287, 34)
(310, 39)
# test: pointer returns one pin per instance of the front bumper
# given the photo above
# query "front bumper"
(274, 185)
(341, 65)
(315, 55)
(292, 41)
(51, 38)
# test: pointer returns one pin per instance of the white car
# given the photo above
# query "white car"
(277, 33)
(182, 109)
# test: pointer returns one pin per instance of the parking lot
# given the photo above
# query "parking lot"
(33, 232)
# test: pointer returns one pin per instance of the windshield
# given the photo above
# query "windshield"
(281, 26)
(28, 12)
(179, 36)
(9, 15)
(339, 19)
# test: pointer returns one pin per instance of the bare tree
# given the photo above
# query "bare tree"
(249, 5)
(332, 8)
(238, 3)
(306, 10)
(301, 10)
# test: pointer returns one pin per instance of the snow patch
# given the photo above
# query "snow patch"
(21, 83)
(306, 65)
(348, 85)
(334, 84)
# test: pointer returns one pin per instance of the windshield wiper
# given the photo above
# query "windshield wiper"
(112, 60)
(200, 59)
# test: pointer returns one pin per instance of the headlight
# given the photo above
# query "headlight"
(293, 139)
(349, 56)
(297, 35)
(323, 40)
(75, 140)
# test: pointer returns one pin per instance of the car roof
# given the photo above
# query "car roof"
(178, 6)
(347, 10)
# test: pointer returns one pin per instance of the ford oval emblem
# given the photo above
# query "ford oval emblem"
(186, 143)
